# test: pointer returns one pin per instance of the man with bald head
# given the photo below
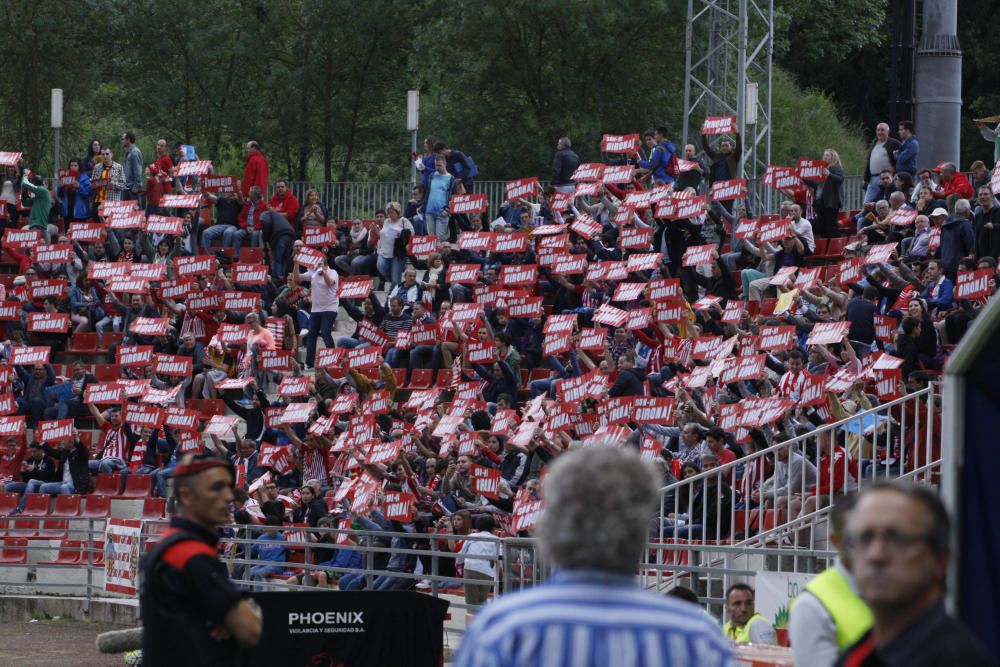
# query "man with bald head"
(881, 157)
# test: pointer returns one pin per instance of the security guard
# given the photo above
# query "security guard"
(745, 625)
(829, 616)
(191, 613)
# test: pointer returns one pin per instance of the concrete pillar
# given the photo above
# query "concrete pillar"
(938, 85)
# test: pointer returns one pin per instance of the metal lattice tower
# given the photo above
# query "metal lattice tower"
(728, 49)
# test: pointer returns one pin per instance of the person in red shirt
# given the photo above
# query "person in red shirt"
(164, 163)
(116, 441)
(255, 171)
(715, 438)
(284, 202)
(953, 182)
(10, 461)
(793, 381)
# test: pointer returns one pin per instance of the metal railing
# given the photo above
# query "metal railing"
(739, 505)
(345, 200)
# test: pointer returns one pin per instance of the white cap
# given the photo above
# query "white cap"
(939, 211)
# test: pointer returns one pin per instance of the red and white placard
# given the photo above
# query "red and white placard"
(48, 322)
(463, 273)
(164, 224)
(828, 333)
(142, 414)
(719, 125)
(610, 315)
(520, 188)
(880, 254)
(974, 284)
(699, 254)
(59, 253)
(180, 201)
(250, 274)
(902, 217)
(735, 188)
(104, 393)
(172, 364)
(620, 143)
(466, 204)
(134, 355)
(192, 168)
(218, 183)
(59, 430)
(195, 265)
(150, 326)
(588, 172)
(86, 232)
(621, 173)
(294, 386)
(220, 425)
(24, 356)
(811, 170)
(777, 338)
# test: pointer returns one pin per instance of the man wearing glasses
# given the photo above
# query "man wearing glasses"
(897, 543)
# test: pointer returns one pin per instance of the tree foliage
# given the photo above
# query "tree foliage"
(322, 83)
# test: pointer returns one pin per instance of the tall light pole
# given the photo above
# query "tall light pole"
(412, 124)
(57, 123)
(938, 84)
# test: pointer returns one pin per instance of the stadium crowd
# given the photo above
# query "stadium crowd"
(464, 348)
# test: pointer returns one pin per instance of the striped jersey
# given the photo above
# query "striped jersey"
(592, 618)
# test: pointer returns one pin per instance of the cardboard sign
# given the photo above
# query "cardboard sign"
(734, 312)
(150, 326)
(786, 303)
(195, 265)
(521, 188)
(10, 311)
(241, 302)
(250, 274)
(620, 143)
(880, 254)
(628, 292)
(421, 246)
(355, 287)
(86, 232)
(9, 158)
(52, 432)
(736, 369)
(104, 393)
(773, 232)
(466, 204)
(510, 243)
(481, 352)
(635, 238)
(699, 254)
(588, 189)
(974, 284)
(233, 383)
(27, 356)
(172, 364)
(225, 184)
(275, 360)
(59, 253)
(310, 258)
(889, 383)
(885, 327)
(182, 419)
(643, 261)
(178, 289)
(361, 358)
(220, 425)
(746, 228)
(782, 178)
(11, 426)
(294, 386)
(783, 276)
(399, 506)
(665, 289)
(319, 237)
(475, 241)
(619, 174)
(463, 274)
(812, 170)
(934, 239)
(127, 220)
(155, 396)
(21, 238)
(902, 217)
(518, 274)
(828, 333)
(192, 168)
(134, 355)
(180, 201)
(849, 271)
(486, 481)
(593, 339)
(652, 410)
(138, 415)
(691, 207)
(777, 338)
(41, 288)
(554, 344)
(48, 322)
(330, 357)
(610, 315)
(128, 285)
(735, 188)
(568, 265)
(588, 172)
(163, 224)
(669, 312)
(719, 125)
(106, 270)
(155, 272)
(527, 511)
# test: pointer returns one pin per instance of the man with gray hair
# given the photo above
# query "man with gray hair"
(564, 163)
(881, 157)
(593, 530)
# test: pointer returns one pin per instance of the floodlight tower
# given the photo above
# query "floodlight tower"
(729, 45)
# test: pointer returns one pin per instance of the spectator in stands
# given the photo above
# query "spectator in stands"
(35, 398)
(41, 205)
(73, 406)
(71, 457)
(38, 475)
(111, 177)
(958, 239)
(75, 195)
(311, 508)
(631, 380)
(662, 157)
(477, 570)
(270, 548)
(724, 164)
(745, 624)
(881, 158)
(249, 219)
(939, 292)
(393, 238)
(952, 182)
(564, 163)
(861, 311)
(283, 201)
(255, 172)
(692, 177)
(607, 492)
(278, 236)
(325, 284)
(358, 257)
(436, 205)
(793, 474)
(133, 167)
(898, 541)
(909, 149)
(116, 440)
(459, 164)
(986, 223)
(829, 195)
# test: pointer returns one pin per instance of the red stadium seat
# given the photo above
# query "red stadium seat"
(108, 484)
(111, 338)
(35, 504)
(53, 529)
(8, 502)
(96, 554)
(251, 255)
(107, 372)
(98, 507)
(23, 528)
(400, 374)
(137, 486)
(67, 504)
(15, 551)
(153, 508)
(420, 379)
(70, 553)
(83, 343)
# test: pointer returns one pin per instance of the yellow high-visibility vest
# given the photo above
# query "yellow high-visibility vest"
(741, 635)
(849, 612)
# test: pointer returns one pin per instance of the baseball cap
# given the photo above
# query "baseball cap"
(939, 211)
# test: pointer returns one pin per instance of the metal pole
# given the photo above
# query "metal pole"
(58, 160)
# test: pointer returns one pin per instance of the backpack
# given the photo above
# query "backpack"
(671, 167)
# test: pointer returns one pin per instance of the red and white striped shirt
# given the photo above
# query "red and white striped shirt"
(114, 442)
(791, 384)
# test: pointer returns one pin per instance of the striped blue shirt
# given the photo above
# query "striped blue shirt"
(592, 618)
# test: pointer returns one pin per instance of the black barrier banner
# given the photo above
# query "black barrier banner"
(348, 629)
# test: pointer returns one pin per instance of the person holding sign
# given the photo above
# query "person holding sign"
(74, 193)
(41, 204)
(829, 195)
(441, 186)
(325, 283)
(191, 611)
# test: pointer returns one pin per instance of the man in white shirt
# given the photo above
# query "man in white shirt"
(880, 158)
(325, 304)
(483, 544)
(802, 228)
